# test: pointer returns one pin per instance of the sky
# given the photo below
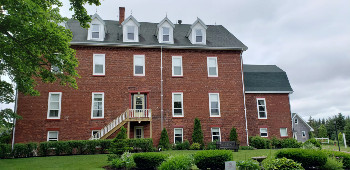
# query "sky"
(310, 40)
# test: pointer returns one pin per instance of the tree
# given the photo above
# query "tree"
(122, 133)
(233, 135)
(197, 135)
(322, 132)
(340, 138)
(164, 140)
(347, 133)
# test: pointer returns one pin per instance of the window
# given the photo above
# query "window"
(303, 134)
(97, 105)
(283, 132)
(296, 120)
(99, 64)
(96, 134)
(95, 33)
(138, 132)
(131, 32)
(54, 106)
(178, 105)
(261, 104)
(214, 104)
(166, 34)
(178, 135)
(263, 132)
(55, 69)
(212, 67)
(199, 35)
(139, 65)
(177, 66)
(215, 134)
(52, 136)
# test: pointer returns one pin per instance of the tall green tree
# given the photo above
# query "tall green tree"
(197, 135)
(322, 132)
(164, 140)
(347, 133)
(233, 135)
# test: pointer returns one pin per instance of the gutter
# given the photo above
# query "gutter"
(289, 92)
(245, 107)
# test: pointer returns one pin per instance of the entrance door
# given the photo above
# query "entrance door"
(139, 105)
(138, 132)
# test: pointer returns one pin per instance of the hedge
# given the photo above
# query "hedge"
(149, 160)
(264, 143)
(213, 159)
(344, 156)
(307, 157)
(177, 162)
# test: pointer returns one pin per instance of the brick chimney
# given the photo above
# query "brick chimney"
(121, 14)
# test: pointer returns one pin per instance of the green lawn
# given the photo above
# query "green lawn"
(335, 148)
(99, 161)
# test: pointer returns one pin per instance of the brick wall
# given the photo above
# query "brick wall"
(76, 122)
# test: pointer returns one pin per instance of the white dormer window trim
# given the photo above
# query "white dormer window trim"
(97, 29)
(166, 34)
(198, 32)
(199, 36)
(165, 31)
(131, 29)
(131, 33)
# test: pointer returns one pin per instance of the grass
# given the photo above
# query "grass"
(99, 161)
(335, 148)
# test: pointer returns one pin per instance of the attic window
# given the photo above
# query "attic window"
(199, 35)
(166, 34)
(95, 33)
(131, 33)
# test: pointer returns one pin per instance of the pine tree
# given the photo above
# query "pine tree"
(122, 133)
(233, 135)
(164, 140)
(347, 133)
(197, 136)
(322, 131)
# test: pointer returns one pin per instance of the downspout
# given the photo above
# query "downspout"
(14, 120)
(161, 87)
(245, 107)
(290, 109)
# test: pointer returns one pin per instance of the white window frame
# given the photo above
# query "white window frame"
(142, 131)
(127, 32)
(257, 105)
(216, 61)
(59, 105)
(296, 120)
(104, 64)
(144, 60)
(173, 69)
(92, 31)
(99, 134)
(165, 34)
(212, 136)
(286, 132)
(103, 105)
(202, 35)
(48, 134)
(182, 104)
(303, 134)
(267, 133)
(182, 134)
(218, 104)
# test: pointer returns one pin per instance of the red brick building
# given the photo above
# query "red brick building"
(149, 76)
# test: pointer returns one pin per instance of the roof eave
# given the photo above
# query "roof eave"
(287, 92)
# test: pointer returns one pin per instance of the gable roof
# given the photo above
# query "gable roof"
(195, 22)
(300, 118)
(131, 18)
(218, 37)
(166, 19)
(98, 17)
(265, 79)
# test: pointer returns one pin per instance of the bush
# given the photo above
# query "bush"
(290, 143)
(179, 162)
(282, 163)
(143, 145)
(259, 142)
(246, 148)
(340, 155)
(104, 144)
(248, 165)
(308, 157)
(122, 133)
(119, 146)
(21, 150)
(233, 135)
(5, 151)
(182, 146)
(333, 164)
(213, 159)
(313, 141)
(125, 161)
(197, 135)
(195, 146)
(149, 160)
(211, 146)
(276, 143)
(164, 140)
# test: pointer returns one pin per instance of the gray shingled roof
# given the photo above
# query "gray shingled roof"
(265, 78)
(218, 37)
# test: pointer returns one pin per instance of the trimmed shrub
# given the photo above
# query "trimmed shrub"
(178, 162)
(307, 157)
(290, 143)
(213, 159)
(143, 145)
(21, 150)
(233, 135)
(259, 142)
(276, 143)
(104, 144)
(246, 148)
(91, 146)
(5, 151)
(119, 146)
(122, 133)
(195, 146)
(164, 140)
(125, 161)
(43, 148)
(282, 163)
(333, 164)
(149, 160)
(197, 135)
(182, 146)
(314, 142)
(211, 146)
(340, 155)
(248, 164)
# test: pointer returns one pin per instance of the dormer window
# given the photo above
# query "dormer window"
(131, 32)
(166, 33)
(95, 33)
(199, 35)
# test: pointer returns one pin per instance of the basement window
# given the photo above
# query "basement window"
(52, 136)
(263, 132)
(96, 134)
